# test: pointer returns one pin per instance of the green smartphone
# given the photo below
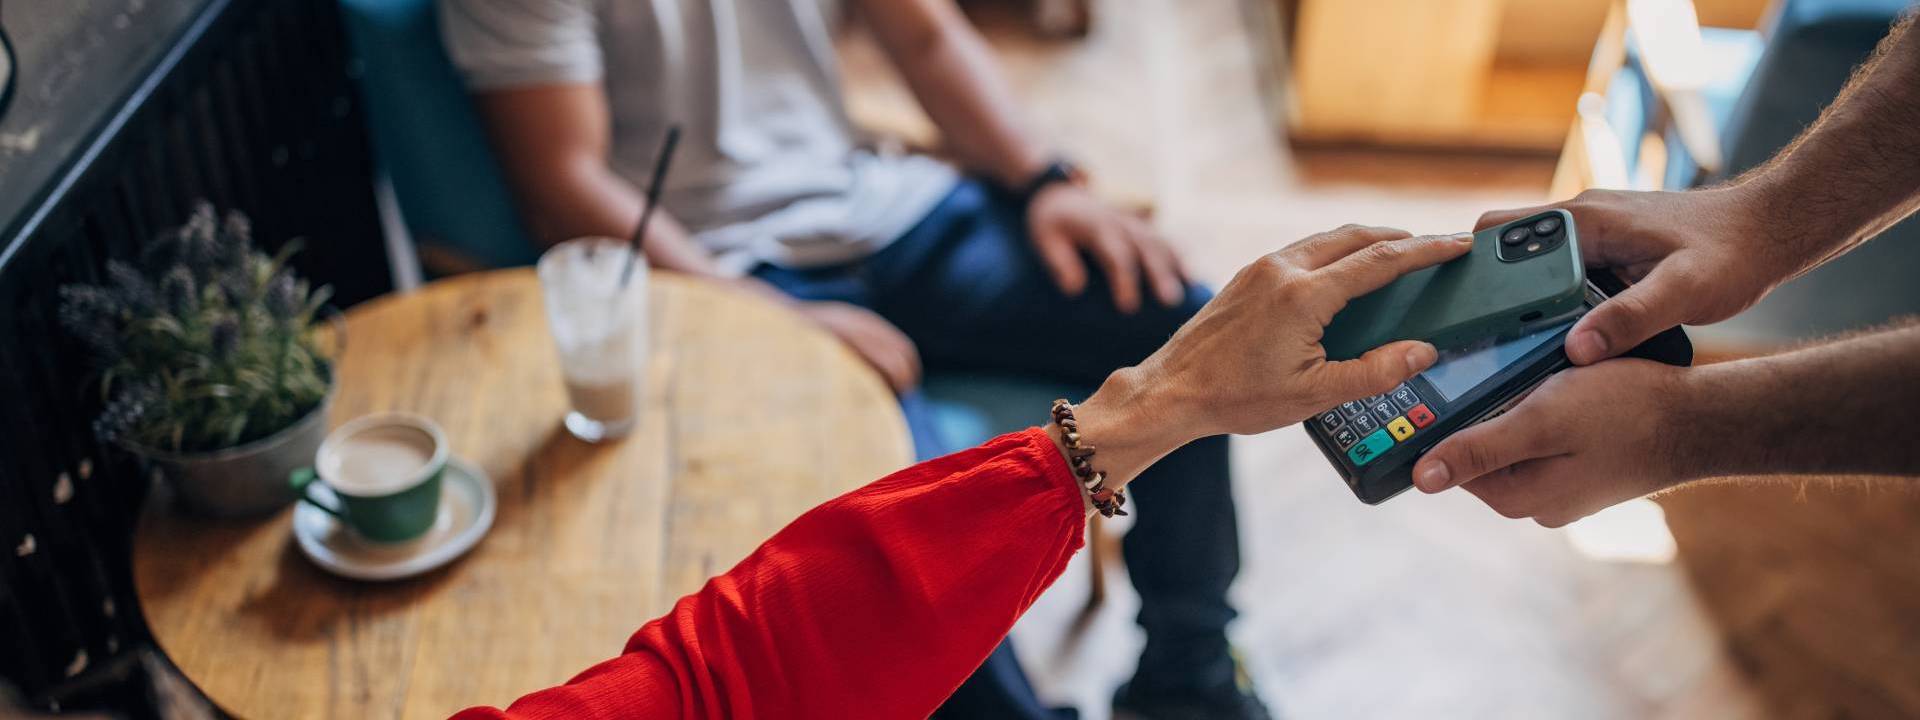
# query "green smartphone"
(1519, 277)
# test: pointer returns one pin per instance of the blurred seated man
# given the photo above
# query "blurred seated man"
(1016, 270)
(1594, 436)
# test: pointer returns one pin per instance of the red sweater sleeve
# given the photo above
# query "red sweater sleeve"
(876, 604)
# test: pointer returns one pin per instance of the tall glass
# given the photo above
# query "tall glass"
(600, 329)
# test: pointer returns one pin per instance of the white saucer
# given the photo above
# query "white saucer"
(467, 503)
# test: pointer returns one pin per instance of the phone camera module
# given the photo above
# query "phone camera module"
(1532, 237)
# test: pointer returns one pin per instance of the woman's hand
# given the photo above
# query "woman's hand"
(1251, 360)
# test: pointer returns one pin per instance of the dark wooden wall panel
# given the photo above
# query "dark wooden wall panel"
(251, 108)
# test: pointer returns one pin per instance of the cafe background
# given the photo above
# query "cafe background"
(1239, 125)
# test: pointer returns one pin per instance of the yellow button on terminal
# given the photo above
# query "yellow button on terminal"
(1401, 428)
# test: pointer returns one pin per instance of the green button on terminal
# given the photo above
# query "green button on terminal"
(1370, 447)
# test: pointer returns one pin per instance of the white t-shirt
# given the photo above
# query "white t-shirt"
(767, 170)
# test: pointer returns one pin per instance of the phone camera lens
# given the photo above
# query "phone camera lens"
(1547, 226)
(1515, 236)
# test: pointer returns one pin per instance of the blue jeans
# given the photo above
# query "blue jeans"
(966, 285)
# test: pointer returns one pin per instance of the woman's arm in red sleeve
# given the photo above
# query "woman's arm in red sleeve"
(876, 604)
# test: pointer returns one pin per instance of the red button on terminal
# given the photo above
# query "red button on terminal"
(1420, 415)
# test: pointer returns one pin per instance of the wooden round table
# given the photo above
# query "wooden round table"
(751, 417)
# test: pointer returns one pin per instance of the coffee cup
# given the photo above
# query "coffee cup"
(383, 473)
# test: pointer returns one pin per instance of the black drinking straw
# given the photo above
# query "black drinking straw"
(653, 199)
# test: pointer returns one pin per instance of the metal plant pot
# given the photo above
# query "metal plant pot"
(248, 480)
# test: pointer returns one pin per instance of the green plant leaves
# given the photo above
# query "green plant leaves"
(207, 343)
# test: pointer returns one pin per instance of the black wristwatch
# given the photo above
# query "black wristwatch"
(1058, 171)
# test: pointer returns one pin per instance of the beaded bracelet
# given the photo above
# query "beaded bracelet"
(1080, 458)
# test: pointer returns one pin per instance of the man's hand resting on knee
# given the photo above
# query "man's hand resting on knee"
(1067, 223)
(877, 341)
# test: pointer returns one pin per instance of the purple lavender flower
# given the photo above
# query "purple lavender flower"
(129, 287)
(200, 242)
(182, 297)
(224, 337)
(282, 296)
(236, 242)
(125, 411)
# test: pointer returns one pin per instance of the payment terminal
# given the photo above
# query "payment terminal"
(1373, 442)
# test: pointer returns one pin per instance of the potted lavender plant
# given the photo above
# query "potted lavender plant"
(209, 363)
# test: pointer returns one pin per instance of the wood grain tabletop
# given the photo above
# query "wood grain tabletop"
(750, 417)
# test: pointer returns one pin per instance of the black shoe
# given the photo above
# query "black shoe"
(1235, 702)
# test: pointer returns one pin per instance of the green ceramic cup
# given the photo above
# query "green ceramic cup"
(383, 473)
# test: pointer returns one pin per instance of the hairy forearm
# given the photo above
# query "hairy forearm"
(1856, 170)
(592, 201)
(553, 142)
(1845, 407)
(586, 198)
(953, 74)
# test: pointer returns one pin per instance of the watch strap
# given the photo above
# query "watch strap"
(1057, 171)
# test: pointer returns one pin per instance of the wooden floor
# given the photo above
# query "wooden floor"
(1815, 586)
(1783, 600)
